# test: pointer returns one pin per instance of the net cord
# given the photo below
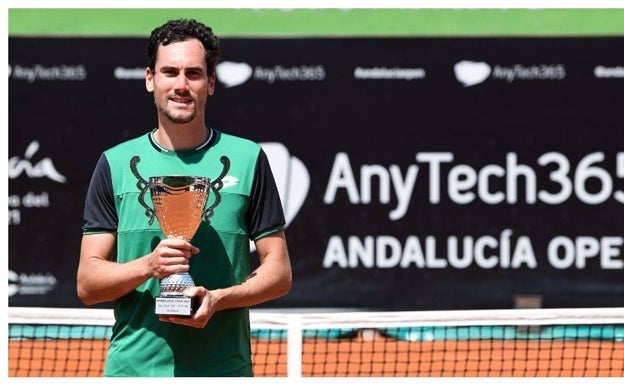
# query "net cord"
(295, 322)
(352, 319)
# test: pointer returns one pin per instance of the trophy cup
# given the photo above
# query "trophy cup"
(179, 206)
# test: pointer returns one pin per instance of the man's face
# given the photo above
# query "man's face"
(180, 81)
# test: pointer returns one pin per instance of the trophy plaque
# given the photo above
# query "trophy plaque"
(179, 206)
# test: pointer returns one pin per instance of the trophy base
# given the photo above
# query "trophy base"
(177, 306)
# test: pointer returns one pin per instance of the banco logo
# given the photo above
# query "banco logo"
(233, 74)
(291, 177)
(470, 73)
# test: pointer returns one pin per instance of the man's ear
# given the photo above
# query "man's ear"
(212, 79)
(149, 80)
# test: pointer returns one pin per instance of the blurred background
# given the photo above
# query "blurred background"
(427, 159)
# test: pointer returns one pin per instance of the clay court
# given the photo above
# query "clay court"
(360, 356)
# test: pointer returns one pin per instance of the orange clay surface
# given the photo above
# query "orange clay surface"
(365, 357)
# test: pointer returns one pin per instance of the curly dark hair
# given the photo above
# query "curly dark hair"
(180, 30)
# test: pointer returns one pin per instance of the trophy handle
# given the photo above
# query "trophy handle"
(215, 186)
(143, 186)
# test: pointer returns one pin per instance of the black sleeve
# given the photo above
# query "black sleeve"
(265, 209)
(100, 213)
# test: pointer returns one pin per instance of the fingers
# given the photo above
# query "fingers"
(195, 291)
(179, 244)
(200, 317)
(191, 321)
(171, 256)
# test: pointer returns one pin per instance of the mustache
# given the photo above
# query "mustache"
(181, 93)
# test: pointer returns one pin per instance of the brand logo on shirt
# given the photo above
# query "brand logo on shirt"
(229, 181)
(291, 177)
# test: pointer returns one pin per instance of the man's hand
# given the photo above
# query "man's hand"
(171, 256)
(199, 319)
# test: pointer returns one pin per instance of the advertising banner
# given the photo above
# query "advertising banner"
(415, 173)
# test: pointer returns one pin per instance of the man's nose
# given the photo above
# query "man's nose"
(181, 82)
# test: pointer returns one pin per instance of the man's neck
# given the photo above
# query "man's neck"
(181, 136)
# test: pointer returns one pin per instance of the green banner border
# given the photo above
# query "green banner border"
(321, 22)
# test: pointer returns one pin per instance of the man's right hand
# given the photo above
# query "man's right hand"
(171, 256)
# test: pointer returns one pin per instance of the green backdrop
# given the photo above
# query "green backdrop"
(323, 22)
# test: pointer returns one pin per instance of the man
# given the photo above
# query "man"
(123, 254)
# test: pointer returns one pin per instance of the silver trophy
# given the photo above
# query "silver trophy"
(179, 203)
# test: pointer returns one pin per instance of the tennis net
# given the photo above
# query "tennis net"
(50, 342)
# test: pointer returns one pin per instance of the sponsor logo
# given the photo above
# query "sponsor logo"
(30, 284)
(38, 72)
(533, 72)
(603, 72)
(122, 73)
(232, 74)
(471, 73)
(42, 169)
(383, 73)
(278, 73)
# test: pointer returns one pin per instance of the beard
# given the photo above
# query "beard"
(175, 115)
(179, 116)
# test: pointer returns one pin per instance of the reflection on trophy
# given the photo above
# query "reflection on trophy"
(179, 206)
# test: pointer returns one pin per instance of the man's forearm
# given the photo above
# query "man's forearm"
(102, 281)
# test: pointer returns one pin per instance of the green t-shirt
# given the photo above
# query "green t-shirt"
(119, 201)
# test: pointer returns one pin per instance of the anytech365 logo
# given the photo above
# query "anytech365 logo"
(470, 73)
(232, 74)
